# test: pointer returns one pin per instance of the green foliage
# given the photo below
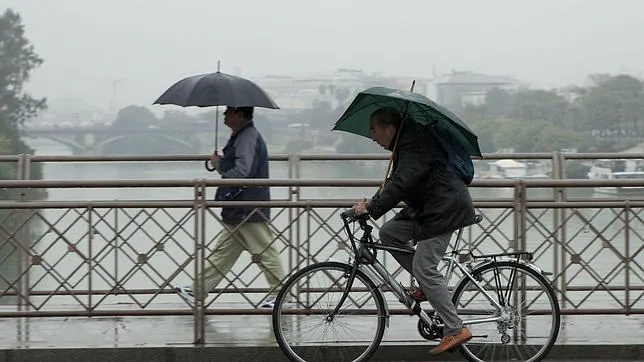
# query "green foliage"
(136, 117)
(596, 118)
(617, 102)
(17, 59)
(319, 116)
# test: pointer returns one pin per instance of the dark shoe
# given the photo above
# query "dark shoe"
(451, 342)
(417, 294)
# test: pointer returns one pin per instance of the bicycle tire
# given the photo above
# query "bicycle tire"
(379, 299)
(548, 290)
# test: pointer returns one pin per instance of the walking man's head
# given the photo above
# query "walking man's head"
(235, 117)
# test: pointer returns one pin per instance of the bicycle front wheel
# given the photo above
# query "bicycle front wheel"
(302, 321)
(527, 325)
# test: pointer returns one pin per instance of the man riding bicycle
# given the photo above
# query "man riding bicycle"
(437, 203)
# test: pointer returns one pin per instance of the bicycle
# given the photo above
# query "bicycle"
(364, 267)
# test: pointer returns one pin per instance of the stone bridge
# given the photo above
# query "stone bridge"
(93, 141)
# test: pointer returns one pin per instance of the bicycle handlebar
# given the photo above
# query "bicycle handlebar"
(350, 216)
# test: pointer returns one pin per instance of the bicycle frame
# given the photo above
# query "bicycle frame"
(366, 260)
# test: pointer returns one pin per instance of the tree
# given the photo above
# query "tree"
(175, 119)
(319, 116)
(610, 116)
(538, 104)
(498, 103)
(134, 117)
(341, 95)
(17, 60)
(322, 89)
(615, 103)
(574, 117)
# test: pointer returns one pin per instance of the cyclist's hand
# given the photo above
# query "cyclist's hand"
(361, 207)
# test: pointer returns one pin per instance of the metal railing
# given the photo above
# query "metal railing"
(94, 257)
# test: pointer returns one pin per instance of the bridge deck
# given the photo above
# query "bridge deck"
(580, 337)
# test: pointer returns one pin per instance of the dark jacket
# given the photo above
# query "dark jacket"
(436, 198)
(245, 156)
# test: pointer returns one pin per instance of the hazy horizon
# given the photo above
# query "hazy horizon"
(88, 45)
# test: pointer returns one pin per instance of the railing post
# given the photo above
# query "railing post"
(199, 208)
(295, 228)
(20, 287)
(90, 257)
(627, 257)
(559, 224)
(519, 244)
(115, 248)
(519, 215)
(24, 165)
(19, 263)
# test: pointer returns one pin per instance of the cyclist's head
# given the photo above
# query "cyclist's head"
(383, 124)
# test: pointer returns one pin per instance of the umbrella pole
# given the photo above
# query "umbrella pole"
(216, 127)
(217, 119)
(391, 159)
(207, 162)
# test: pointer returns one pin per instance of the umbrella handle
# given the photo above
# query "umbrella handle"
(208, 167)
(207, 164)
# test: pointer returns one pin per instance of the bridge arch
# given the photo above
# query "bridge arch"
(75, 147)
(100, 145)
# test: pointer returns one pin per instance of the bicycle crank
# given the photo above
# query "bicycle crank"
(431, 332)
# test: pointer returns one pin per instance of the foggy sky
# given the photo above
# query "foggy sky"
(150, 44)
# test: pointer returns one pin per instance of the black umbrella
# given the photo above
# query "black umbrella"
(214, 90)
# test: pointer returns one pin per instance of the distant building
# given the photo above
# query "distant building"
(339, 87)
(456, 89)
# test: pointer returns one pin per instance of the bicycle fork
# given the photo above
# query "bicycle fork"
(347, 289)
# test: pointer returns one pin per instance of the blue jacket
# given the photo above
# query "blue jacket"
(245, 156)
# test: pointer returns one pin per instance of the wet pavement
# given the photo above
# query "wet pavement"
(256, 330)
(172, 336)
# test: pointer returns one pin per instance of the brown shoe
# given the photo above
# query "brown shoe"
(417, 294)
(451, 342)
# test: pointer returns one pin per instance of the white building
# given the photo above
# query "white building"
(457, 89)
(299, 92)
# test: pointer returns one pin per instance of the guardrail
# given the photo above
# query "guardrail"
(120, 257)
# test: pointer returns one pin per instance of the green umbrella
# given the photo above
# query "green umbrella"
(413, 105)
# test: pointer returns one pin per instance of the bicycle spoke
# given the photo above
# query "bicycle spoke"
(510, 283)
(308, 318)
(508, 337)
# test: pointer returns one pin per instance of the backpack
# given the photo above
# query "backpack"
(457, 157)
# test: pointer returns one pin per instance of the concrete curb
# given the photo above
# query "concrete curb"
(399, 353)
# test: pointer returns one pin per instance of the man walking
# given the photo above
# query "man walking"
(246, 228)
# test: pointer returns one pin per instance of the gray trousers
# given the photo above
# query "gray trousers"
(423, 265)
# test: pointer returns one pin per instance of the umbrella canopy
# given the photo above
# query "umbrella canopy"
(412, 105)
(216, 89)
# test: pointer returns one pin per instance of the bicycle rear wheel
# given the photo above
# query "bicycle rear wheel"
(303, 305)
(530, 302)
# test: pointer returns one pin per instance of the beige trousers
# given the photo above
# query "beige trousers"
(254, 237)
